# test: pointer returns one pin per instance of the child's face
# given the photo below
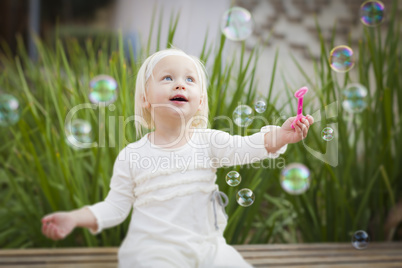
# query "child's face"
(174, 86)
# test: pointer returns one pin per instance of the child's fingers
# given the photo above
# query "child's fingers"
(310, 119)
(49, 229)
(299, 124)
(298, 127)
(290, 120)
(305, 122)
(307, 125)
(46, 222)
(48, 218)
(54, 234)
(57, 232)
(305, 130)
(302, 129)
(44, 229)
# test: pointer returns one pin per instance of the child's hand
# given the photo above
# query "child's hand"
(58, 225)
(293, 135)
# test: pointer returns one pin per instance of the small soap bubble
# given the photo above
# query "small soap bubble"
(295, 178)
(372, 13)
(78, 134)
(360, 239)
(260, 106)
(237, 24)
(245, 197)
(9, 113)
(243, 115)
(354, 98)
(341, 59)
(233, 178)
(103, 89)
(327, 134)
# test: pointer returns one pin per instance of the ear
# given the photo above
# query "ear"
(201, 104)
(145, 103)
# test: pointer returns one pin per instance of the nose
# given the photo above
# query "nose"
(180, 86)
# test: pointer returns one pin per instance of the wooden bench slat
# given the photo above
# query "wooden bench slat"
(247, 254)
(364, 265)
(58, 259)
(337, 255)
(68, 257)
(324, 259)
(57, 251)
(279, 255)
(240, 248)
(313, 246)
(62, 265)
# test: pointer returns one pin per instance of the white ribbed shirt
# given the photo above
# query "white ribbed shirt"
(170, 193)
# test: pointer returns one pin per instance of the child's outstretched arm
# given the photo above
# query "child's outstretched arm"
(58, 225)
(274, 140)
(104, 214)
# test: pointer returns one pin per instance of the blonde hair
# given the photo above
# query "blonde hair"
(142, 115)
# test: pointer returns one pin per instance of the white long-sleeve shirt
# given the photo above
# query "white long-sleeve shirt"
(170, 191)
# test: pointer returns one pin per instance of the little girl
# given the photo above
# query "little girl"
(168, 176)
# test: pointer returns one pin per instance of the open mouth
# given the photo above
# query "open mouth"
(179, 98)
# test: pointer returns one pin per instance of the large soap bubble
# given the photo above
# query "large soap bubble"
(341, 59)
(355, 98)
(78, 134)
(9, 112)
(295, 178)
(233, 178)
(245, 197)
(237, 24)
(103, 89)
(372, 13)
(243, 115)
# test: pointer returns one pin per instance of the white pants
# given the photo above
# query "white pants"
(217, 255)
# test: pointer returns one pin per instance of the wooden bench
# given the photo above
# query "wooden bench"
(277, 255)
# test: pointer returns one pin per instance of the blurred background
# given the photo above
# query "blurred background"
(286, 24)
(53, 54)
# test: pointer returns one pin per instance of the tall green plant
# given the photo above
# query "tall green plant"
(360, 191)
(40, 173)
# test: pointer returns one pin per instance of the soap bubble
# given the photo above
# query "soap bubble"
(260, 106)
(9, 113)
(78, 134)
(372, 13)
(233, 178)
(103, 88)
(245, 197)
(237, 24)
(360, 239)
(243, 115)
(355, 98)
(295, 178)
(341, 59)
(327, 134)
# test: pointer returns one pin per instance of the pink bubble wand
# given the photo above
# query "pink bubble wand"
(299, 95)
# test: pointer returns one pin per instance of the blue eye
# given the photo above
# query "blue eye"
(189, 79)
(168, 78)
